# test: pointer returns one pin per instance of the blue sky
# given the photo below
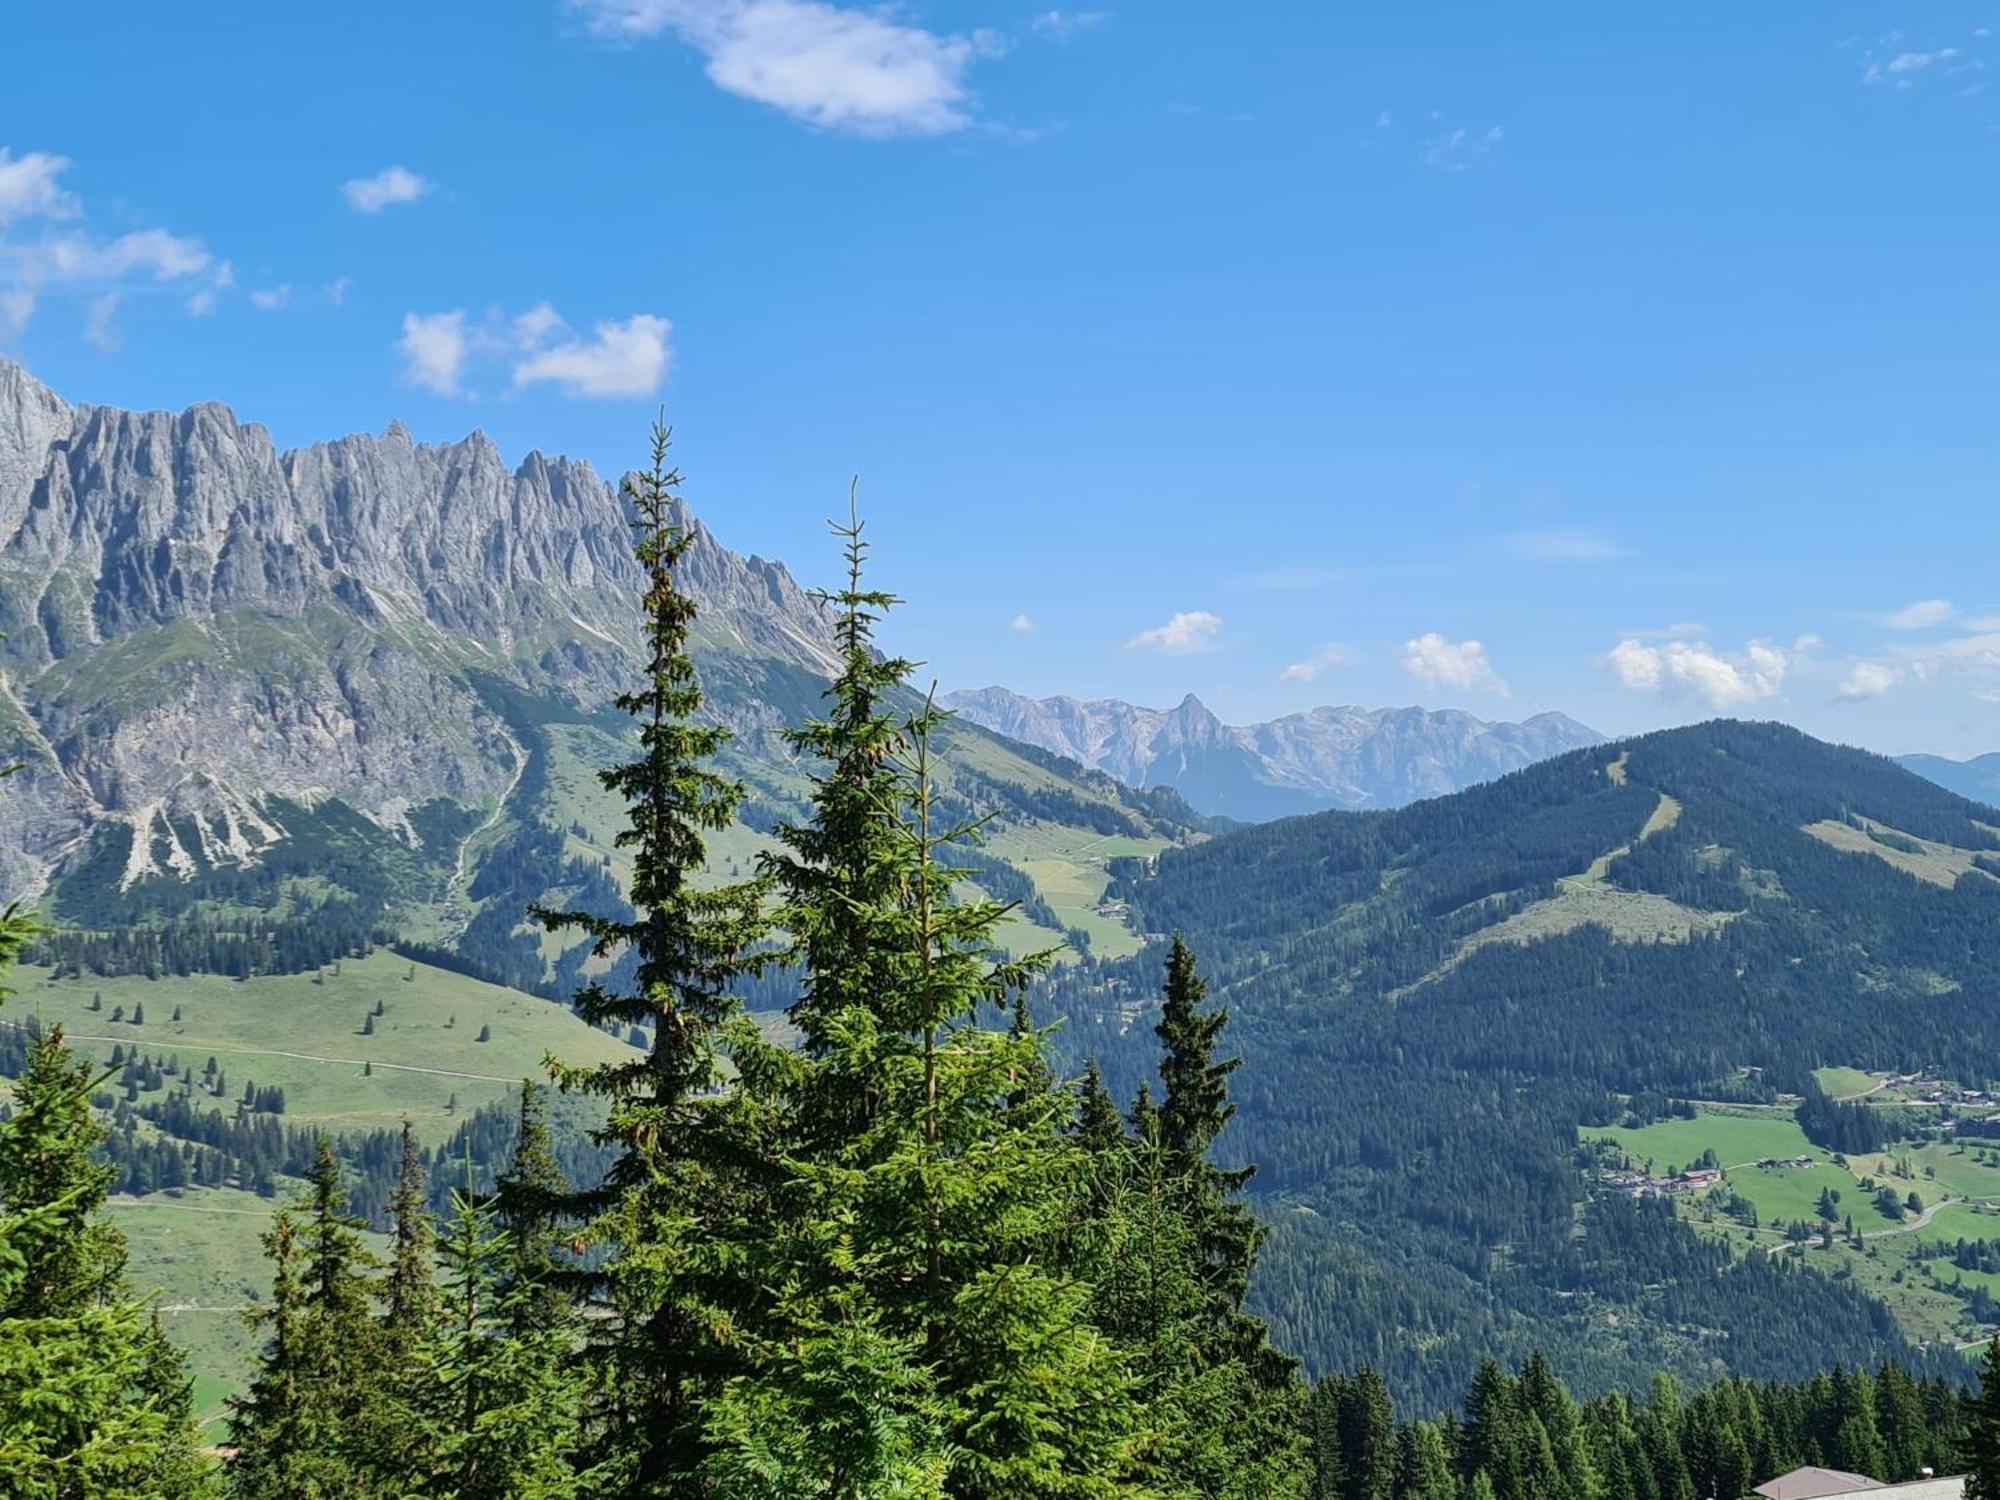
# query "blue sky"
(1637, 365)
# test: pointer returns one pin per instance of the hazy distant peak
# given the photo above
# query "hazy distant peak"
(1330, 756)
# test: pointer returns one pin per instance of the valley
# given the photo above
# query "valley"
(1906, 1223)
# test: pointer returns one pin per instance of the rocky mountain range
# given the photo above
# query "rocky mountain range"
(1305, 762)
(196, 621)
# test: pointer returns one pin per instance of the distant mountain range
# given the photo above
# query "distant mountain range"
(1978, 778)
(1306, 762)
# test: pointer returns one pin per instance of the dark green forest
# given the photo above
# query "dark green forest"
(1413, 1103)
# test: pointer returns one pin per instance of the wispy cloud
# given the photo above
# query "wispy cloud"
(626, 358)
(832, 66)
(1460, 149)
(1329, 658)
(1062, 25)
(388, 187)
(1567, 547)
(1189, 630)
(1869, 679)
(271, 298)
(1925, 614)
(1440, 663)
(47, 246)
(100, 323)
(1972, 659)
(1900, 68)
(1022, 624)
(29, 187)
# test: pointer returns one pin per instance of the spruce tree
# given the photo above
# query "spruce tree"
(664, 1340)
(495, 1407)
(93, 1401)
(926, 1336)
(1980, 1446)
(409, 1297)
(49, 1167)
(528, 1201)
(1240, 1411)
(318, 1419)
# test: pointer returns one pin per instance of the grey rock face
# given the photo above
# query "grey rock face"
(196, 621)
(1304, 762)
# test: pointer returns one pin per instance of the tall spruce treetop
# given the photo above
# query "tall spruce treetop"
(691, 943)
(1196, 1104)
(410, 1295)
(528, 1199)
(839, 871)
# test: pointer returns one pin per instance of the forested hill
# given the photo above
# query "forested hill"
(1430, 1001)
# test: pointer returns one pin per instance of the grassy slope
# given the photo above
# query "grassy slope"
(301, 1032)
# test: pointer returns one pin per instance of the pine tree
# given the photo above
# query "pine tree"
(318, 1420)
(664, 1344)
(1240, 1412)
(528, 1199)
(926, 1336)
(49, 1168)
(1981, 1443)
(410, 1299)
(1098, 1125)
(495, 1407)
(1366, 1426)
(92, 1399)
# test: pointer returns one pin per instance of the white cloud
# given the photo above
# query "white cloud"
(1328, 658)
(622, 359)
(388, 187)
(1925, 614)
(1694, 668)
(1022, 624)
(536, 347)
(270, 299)
(1189, 630)
(1568, 547)
(1460, 149)
(434, 349)
(1061, 25)
(1869, 679)
(202, 303)
(100, 324)
(833, 67)
(336, 290)
(28, 187)
(1440, 663)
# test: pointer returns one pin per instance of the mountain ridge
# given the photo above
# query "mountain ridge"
(1309, 761)
(1433, 1004)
